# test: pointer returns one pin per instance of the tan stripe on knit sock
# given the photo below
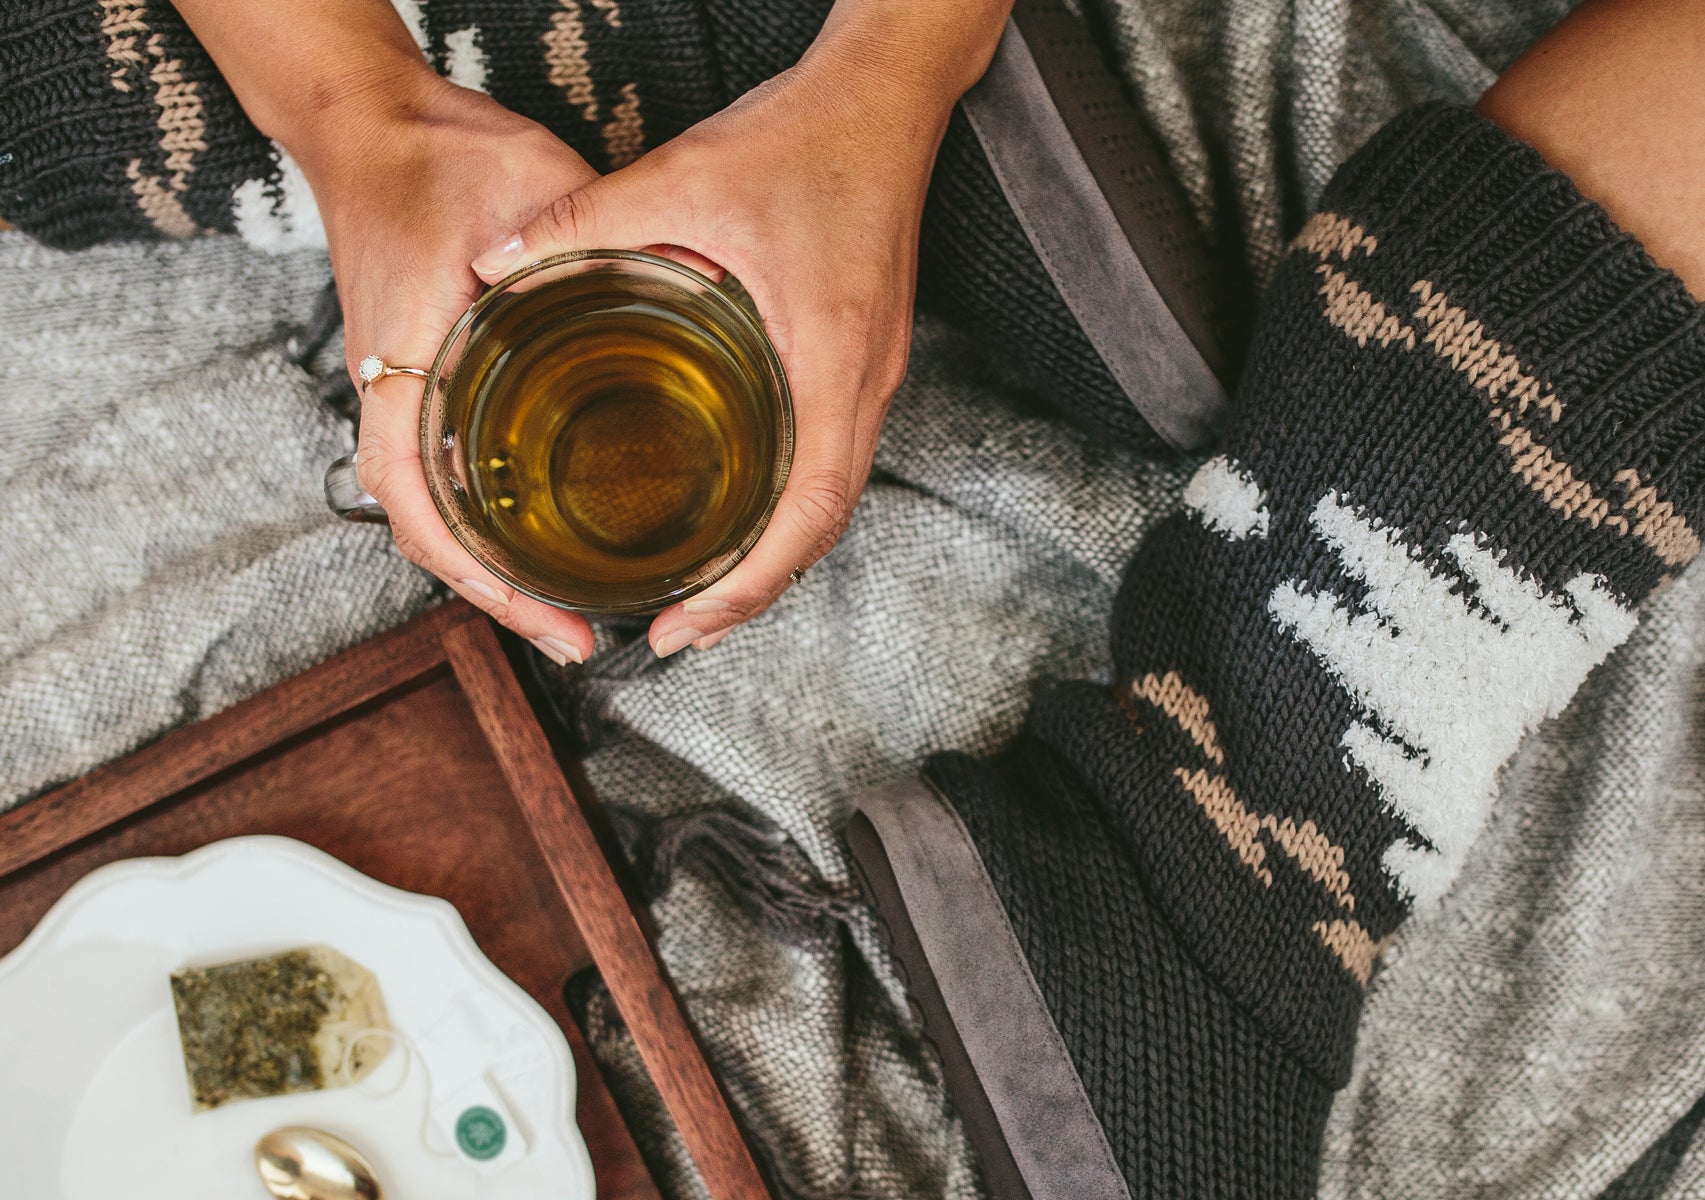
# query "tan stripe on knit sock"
(624, 132)
(1184, 705)
(122, 25)
(1464, 344)
(1327, 234)
(1318, 856)
(159, 203)
(1656, 522)
(183, 124)
(565, 55)
(1359, 314)
(1553, 478)
(1515, 394)
(182, 120)
(1240, 827)
(612, 12)
(1354, 948)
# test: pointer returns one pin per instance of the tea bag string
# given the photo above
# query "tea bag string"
(410, 1057)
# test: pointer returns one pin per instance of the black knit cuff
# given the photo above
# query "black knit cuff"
(1484, 295)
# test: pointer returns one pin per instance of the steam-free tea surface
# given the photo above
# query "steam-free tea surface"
(636, 471)
(612, 436)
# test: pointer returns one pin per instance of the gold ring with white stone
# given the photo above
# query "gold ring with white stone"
(374, 368)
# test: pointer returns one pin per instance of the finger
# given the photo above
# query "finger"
(705, 643)
(813, 510)
(388, 465)
(620, 211)
(691, 259)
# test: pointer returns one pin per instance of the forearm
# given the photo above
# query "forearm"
(310, 73)
(920, 56)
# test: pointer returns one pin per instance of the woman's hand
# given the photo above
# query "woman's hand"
(809, 190)
(408, 200)
(412, 176)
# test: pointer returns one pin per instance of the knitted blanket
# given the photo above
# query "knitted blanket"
(1532, 1038)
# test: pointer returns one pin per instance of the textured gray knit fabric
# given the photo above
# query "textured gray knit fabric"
(808, 1030)
(164, 546)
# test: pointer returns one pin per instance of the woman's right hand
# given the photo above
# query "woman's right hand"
(414, 184)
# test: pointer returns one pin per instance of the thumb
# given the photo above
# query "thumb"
(612, 213)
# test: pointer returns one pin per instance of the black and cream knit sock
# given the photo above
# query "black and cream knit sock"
(1471, 441)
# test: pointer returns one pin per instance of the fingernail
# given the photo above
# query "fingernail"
(499, 258)
(707, 642)
(558, 651)
(485, 591)
(706, 604)
(671, 642)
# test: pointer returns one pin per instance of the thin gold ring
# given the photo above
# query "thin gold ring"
(796, 574)
(373, 368)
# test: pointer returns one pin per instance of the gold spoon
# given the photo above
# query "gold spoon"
(298, 1163)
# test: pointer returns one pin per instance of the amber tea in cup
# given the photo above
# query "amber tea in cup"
(607, 431)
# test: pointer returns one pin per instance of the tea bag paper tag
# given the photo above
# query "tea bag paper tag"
(468, 1114)
(475, 1120)
(457, 1047)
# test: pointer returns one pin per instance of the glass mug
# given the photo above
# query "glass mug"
(605, 430)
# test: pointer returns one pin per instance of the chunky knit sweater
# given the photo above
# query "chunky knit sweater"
(1471, 441)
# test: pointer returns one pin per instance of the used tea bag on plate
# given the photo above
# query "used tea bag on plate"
(289, 1022)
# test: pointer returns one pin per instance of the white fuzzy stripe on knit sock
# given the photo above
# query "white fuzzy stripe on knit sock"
(464, 59)
(1450, 684)
(1227, 499)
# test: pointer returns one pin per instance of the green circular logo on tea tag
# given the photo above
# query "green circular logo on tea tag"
(480, 1133)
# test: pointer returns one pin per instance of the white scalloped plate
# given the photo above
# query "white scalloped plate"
(93, 1099)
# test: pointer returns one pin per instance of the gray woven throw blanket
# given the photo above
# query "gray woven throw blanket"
(164, 552)
(164, 547)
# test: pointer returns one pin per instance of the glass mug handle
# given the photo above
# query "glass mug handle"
(347, 498)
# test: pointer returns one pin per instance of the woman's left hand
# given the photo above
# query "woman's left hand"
(809, 190)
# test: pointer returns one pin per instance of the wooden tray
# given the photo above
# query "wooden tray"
(416, 759)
